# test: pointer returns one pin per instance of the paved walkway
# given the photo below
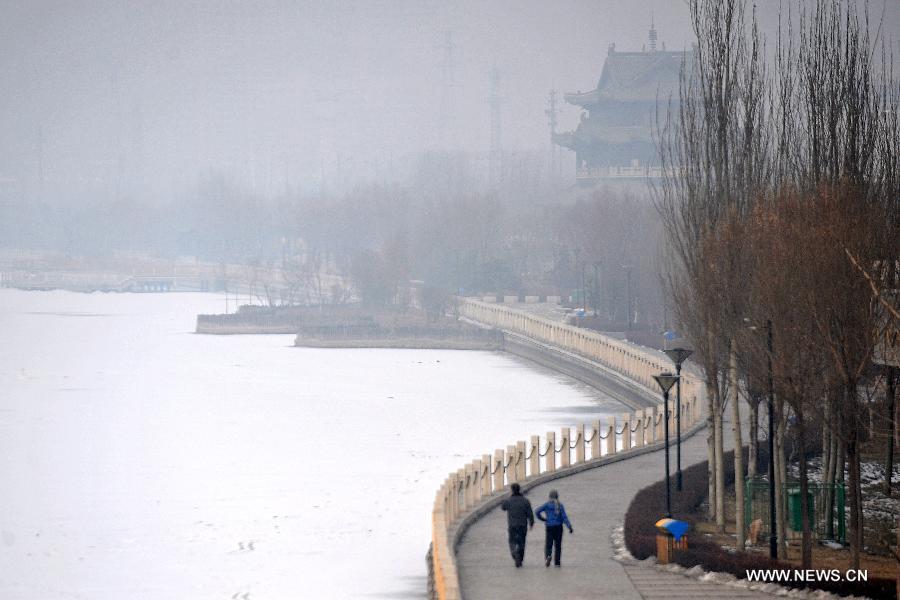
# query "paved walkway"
(595, 501)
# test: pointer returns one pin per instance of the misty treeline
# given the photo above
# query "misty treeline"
(440, 228)
(782, 196)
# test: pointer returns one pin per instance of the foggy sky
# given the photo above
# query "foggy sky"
(138, 99)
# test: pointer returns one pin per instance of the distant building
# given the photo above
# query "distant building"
(614, 140)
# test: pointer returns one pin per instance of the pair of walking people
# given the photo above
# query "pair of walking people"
(520, 518)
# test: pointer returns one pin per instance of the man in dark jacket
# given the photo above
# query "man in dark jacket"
(519, 518)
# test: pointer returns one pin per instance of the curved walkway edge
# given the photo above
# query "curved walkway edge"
(596, 498)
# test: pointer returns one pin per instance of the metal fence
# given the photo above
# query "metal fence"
(823, 525)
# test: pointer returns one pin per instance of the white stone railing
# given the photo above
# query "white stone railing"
(485, 479)
(488, 477)
(637, 363)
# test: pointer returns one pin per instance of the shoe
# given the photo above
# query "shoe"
(547, 562)
(518, 563)
(557, 565)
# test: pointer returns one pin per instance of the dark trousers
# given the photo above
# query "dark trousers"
(553, 542)
(517, 542)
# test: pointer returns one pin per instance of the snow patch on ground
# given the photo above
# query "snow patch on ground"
(617, 541)
(621, 554)
(880, 512)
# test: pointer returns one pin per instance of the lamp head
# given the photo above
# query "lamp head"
(665, 380)
(678, 355)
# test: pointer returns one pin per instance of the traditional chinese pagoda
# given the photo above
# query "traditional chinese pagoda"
(614, 140)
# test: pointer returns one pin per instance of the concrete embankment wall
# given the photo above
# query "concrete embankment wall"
(240, 323)
(585, 370)
(418, 336)
(635, 363)
(481, 484)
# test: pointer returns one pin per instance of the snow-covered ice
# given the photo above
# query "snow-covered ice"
(138, 460)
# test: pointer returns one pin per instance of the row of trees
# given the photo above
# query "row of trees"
(782, 167)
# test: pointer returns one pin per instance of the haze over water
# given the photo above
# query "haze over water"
(139, 460)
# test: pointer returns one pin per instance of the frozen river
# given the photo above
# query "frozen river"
(139, 460)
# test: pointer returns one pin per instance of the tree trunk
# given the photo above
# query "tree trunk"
(780, 477)
(711, 449)
(828, 478)
(806, 552)
(891, 426)
(753, 454)
(738, 447)
(851, 421)
(720, 464)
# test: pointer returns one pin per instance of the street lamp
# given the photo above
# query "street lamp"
(666, 380)
(773, 543)
(627, 269)
(678, 356)
(773, 538)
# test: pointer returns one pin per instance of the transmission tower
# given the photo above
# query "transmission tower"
(447, 83)
(495, 101)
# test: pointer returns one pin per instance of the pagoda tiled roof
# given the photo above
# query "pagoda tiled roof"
(634, 77)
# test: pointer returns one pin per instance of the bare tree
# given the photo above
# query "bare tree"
(714, 151)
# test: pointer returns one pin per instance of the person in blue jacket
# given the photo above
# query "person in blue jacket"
(553, 513)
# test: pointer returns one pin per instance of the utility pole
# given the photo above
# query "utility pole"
(551, 112)
(40, 162)
(495, 161)
(583, 288)
(446, 66)
(773, 538)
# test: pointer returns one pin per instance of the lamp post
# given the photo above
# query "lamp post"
(666, 380)
(627, 269)
(773, 540)
(678, 356)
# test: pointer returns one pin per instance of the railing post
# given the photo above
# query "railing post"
(671, 416)
(611, 436)
(551, 451)
(579, 444)
(485, 475)
(445, 494)
(535, 455)
(520, 460)
(476, 480)
(461, 493)
(566, 453)
(639, 431)
(626, 432)
(498, 470)
(595, 440)
(510, 463)
(474, 484)
(454, 497)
